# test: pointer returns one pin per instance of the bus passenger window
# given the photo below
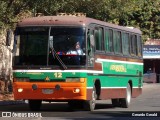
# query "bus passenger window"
(134, 45)
(99, 39)
(125, 43)
(139, 46)
(109, 40)
(117, 42)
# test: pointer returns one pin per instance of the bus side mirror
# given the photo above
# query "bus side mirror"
(92, 40)
(9, 37)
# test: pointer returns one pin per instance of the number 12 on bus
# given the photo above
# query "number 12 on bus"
(76, 59)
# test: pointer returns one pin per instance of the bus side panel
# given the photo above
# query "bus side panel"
(113, 87)
(108, 93)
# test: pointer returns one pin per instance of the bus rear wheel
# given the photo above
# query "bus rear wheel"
(125, 102)
(35, 105)
(89, 105)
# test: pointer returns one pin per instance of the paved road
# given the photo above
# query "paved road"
(148, 101)
(146, 104)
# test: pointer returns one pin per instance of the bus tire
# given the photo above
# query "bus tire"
(35, 105)
(115, 102)
(125, 102)
(89, 105)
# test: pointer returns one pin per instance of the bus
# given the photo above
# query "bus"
(46, 68)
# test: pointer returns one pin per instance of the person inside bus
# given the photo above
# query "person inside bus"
(77, 50)
(149, 71)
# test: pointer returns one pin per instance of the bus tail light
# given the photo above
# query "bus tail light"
(82, 80)
(20, 79)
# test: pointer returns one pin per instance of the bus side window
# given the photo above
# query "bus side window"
(117, 42)
(136, 45)
(133, 45)
(139, 46)
(99, 40)
(125, 43)
(109, 40)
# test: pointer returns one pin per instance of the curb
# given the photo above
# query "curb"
(11, 102)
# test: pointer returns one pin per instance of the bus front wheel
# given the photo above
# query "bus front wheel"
(125, 102)
(89, 105)
(35, 105)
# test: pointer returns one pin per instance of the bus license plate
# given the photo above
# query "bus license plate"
(47, 91)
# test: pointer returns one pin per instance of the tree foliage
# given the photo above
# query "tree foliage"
(144, 14)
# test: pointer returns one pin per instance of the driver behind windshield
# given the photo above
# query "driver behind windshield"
(76, 50)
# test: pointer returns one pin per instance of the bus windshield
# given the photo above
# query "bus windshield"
(34, 46)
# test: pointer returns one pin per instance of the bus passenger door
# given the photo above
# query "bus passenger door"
(90, 47)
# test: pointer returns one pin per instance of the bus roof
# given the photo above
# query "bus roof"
(70, 21)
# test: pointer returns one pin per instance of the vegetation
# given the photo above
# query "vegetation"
(144, 14)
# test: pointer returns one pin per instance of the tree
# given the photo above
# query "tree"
(144, 14)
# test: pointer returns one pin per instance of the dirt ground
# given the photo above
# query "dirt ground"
(6, 97)
(5, 94)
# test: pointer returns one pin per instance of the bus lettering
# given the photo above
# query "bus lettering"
(118, 68)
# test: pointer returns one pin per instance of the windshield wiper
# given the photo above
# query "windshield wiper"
(54, 53)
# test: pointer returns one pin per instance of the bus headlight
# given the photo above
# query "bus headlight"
(75, 79)
(20, 79)
(76, 90)
(20, 90)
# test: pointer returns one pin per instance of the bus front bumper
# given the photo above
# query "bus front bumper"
(49, 91)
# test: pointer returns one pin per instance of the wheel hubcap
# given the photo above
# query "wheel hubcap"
(93, 97)
(128, 94)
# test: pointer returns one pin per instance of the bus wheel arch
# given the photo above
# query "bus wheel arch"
(89, 105)
(97, 85)
(131, 85)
